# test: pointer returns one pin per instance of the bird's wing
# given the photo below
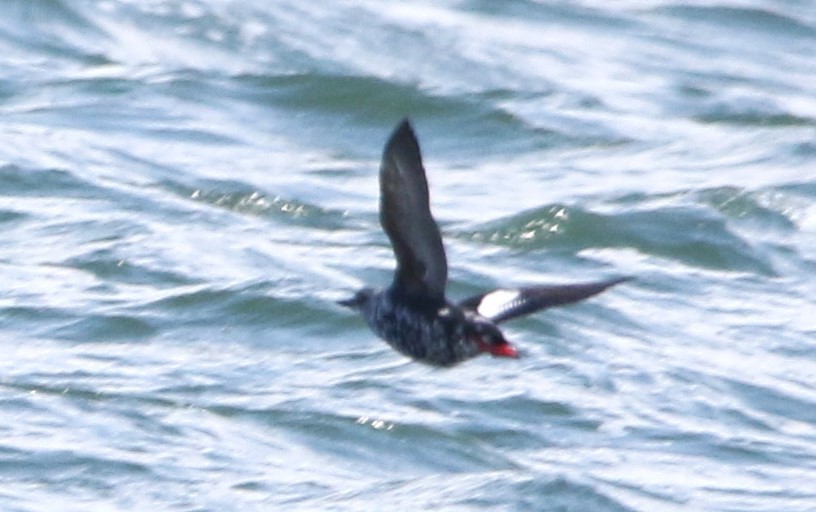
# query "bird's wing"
(405, 216)
(502, 305)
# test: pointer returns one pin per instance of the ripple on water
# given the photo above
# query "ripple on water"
(689, 234)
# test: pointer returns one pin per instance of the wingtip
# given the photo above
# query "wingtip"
(609, 283)
(622, 279)
(403, 130)
(403, 141)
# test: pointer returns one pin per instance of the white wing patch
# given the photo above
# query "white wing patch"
(496, 302)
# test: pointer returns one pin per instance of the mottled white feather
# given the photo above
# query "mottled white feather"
(496, 302)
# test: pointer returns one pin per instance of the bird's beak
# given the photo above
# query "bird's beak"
(349, 303)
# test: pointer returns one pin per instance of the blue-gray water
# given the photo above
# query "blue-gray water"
(187, 186)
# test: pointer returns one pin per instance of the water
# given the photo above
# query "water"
(186, 187)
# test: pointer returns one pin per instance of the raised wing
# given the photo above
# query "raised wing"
(405, 215)
(503, 305)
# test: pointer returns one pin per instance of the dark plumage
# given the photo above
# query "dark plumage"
(412, 314)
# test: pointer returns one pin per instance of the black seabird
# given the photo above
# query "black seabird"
(412, 314)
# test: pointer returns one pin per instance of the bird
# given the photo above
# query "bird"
(413, 314)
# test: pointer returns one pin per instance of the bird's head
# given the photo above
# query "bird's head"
(360, 301)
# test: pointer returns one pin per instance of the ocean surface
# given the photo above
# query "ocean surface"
(187, 187)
